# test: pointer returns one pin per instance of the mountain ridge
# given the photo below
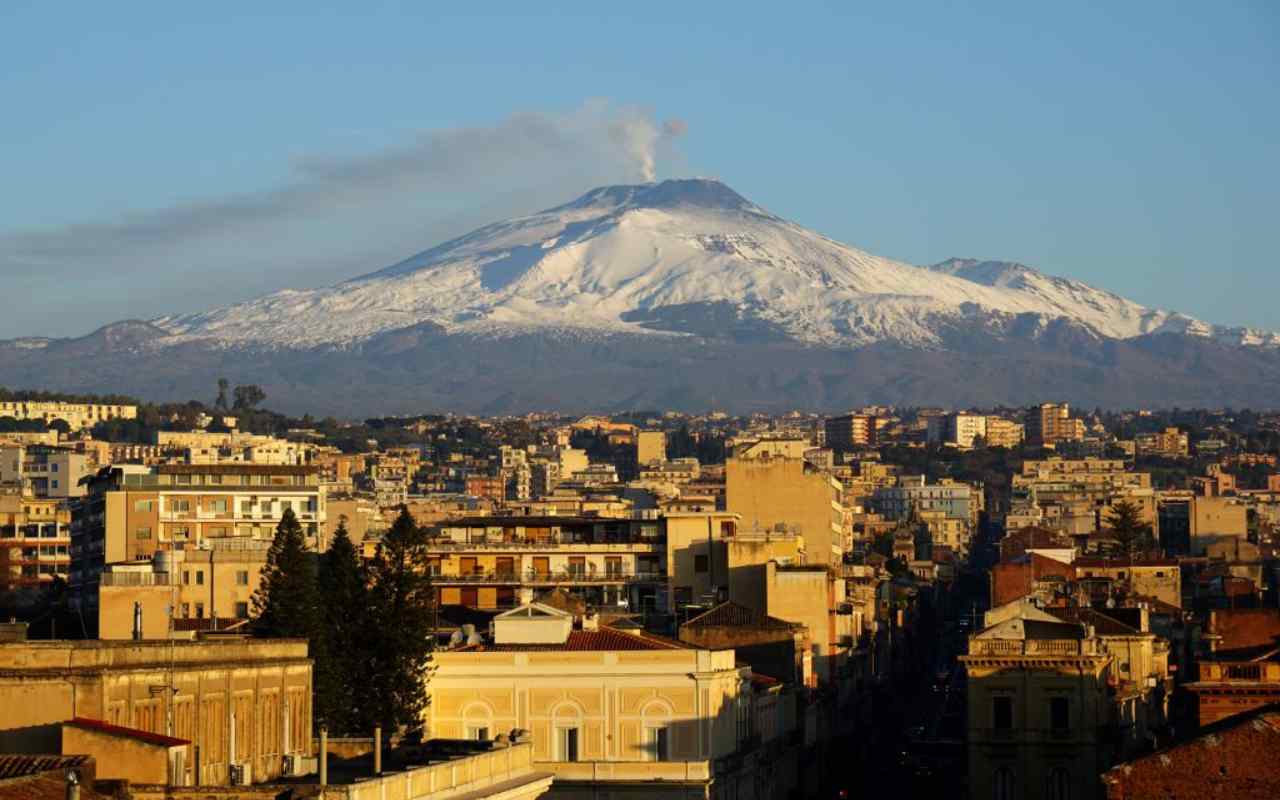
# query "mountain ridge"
(681, 294)
(621, 252)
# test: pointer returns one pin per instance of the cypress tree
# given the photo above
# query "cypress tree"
(343, 645)
(285, 603)
(402, 617)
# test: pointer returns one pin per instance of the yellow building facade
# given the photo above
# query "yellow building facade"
(610, 712)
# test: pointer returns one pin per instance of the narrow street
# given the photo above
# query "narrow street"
(920, 718)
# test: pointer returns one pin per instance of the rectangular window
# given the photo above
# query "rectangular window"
(700, 564)
(181, 505)
(218, 506)
(144, 505)
(242, 610)
(242, 578)
(186, 576)
(567, 744)
(143, 532)
(478, 733)
(1059, 713)
(1002, 713)
(199, 610)
(655, 744)
(199, 577)
(186, 610)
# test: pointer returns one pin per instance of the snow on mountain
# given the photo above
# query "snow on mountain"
(620, 257)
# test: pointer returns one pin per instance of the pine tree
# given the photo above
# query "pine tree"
(1134, 535)
(285, 603)
(402, 613)
(343, 645)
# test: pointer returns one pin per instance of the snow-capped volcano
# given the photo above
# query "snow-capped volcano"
(672, 258)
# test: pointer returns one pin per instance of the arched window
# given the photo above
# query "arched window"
(1059, 784)
(655, 730)
(1002, 784)
(477, 722)
(566, 727)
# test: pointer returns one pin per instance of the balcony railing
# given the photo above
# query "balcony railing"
(566, 576)
(557, 543)
(137, 579)
(1032, 647)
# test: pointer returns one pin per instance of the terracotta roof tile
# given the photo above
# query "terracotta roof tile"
(732, 615)
(585, 641)
(131, 733)
(19, 766)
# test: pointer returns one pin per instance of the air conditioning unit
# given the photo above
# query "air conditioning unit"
(296, 766)
(239, 775)
(844, 608)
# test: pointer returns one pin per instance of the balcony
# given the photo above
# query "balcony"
(549, 545)
(629, 771)
(1033, 647)
(138, 579)
(549, 578)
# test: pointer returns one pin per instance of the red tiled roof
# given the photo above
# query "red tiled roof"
(131, 733)
(19, 766)
(761, 681)
(732, 615)
(1121, 562)
(585, 641)
(1103, 624)
(43, 786)
(1233, 758)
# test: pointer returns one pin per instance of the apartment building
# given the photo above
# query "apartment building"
(914, 496)
(957, 430)
(211, 587)
(1005, 433)
(77, 415)
(484, 562)
(129, 513)
(35, 541)
(46, 471)
(1050, 423)
(850, 431)
(243, 704)
(613, 712)
(651, 446)
(1171, 443)
(790, 494)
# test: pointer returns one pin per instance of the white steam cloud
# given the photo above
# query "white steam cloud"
(540, 153)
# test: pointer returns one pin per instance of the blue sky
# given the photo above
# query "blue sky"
(167, 157)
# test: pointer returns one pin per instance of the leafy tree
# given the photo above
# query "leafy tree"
(248, 396)
(286, 602)
(401, 604)
(1125, 520)
(342, 652)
